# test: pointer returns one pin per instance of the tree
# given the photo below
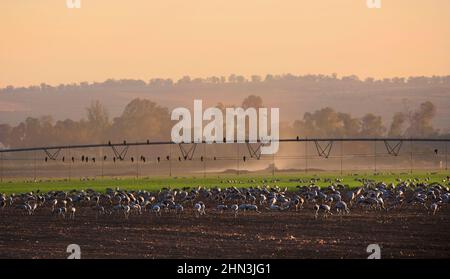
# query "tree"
(97, 119)
(398, 121)
(327, 123)
(372, 126)
(252, 101)
(256, 78)
(421, 121)
(142, 119)
(5, 131)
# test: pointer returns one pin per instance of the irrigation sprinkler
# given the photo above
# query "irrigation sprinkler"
(323, 147)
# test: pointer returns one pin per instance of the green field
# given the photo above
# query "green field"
(155, 183)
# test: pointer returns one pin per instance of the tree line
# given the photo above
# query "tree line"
(332, 81)
(143, 119)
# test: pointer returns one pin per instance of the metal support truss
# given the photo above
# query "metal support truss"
(188, 154)
(324, 152)
(254, 152)
(298, 139)
(393, 150)
(52, 156)
(120, 154)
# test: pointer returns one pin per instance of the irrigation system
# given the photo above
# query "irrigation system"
(323, 147)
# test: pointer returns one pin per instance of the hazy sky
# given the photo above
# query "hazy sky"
(44, 41)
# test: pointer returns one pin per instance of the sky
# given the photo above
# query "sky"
(44, 41)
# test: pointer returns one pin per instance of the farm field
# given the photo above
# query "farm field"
(405, 233)
(289, 180)
(110, 225)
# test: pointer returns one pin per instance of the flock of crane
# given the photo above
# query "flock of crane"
(336, 199)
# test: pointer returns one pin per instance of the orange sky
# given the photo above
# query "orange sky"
(43, 41)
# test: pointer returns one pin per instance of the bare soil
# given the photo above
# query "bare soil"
(401, 233)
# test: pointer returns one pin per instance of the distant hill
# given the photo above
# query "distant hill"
(295, 95)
